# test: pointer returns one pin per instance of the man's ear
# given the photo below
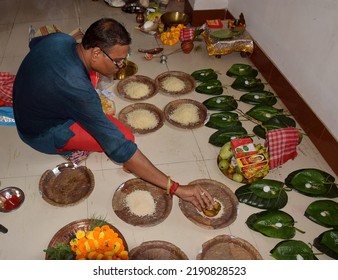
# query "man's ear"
(96, 52)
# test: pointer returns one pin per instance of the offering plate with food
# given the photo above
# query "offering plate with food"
(243, 161)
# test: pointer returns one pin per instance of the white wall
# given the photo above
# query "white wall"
(301, 38)
(208, 4)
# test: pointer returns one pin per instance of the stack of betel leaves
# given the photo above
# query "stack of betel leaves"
(317, 183)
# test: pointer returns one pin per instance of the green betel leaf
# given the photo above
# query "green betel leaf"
(275, 224)
(266, 188)
(327, 242)
(292, 250)
(210, 87)
(239, 69)
(263, 112)
(221, 103)
(323, 212)
(224, 135)
(203, 75)
(276, 122)
(259, 98)
(223, 120)
(245, 195)
(312, 182)
(247, 84)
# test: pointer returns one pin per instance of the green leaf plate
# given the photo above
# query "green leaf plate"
(267, 188)
(224, 34)
(323, 212)
(263, 112)
(259, 98)
(224, 135)
(245, 195)
(239, 69)
(312, 182)
(272, 223)
(279, 121)
(222, 120)
(327, 243)
(221, 103)
(292, 250)
(204, 75)
(247, 84)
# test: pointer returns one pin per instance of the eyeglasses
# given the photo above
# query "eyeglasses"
(120, 63)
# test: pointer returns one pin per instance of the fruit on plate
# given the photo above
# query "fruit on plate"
(212, 211)
(228, 165)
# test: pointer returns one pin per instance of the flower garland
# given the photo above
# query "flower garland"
(101, 243)
(172, 37)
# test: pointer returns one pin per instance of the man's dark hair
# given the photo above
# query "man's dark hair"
(105, 33)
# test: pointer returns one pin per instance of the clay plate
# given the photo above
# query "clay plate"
(67, 184)
(225, 247)
(163, 203)
(172, 106)
(189, 82)
(67, 233)
(229, 206)
(157, 250)
(146, 106)
(153, 88)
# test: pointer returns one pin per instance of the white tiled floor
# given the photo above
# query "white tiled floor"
(184, 154)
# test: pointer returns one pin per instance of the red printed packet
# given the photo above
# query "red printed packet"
(243, 147)
(187, 34)
(214, 23)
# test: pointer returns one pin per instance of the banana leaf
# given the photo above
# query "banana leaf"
(292, 250)
(327, 243)
(245, 195)
(239, 69)
(222, 120)
(275, 122)
(221, 103)
(259, 98)
(323, 212)
(204, 75)
(266, 188)
(263, 112)
(272, 223)
(247, 84)
(224, 135)
(312, 182)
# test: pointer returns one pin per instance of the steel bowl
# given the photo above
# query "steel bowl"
(174, 18)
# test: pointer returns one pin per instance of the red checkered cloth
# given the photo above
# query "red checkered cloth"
(282, 145)
(6, 89)
(187, 34)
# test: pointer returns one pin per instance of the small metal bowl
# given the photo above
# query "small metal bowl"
(129, 70)
(170, 19)
(11, 199)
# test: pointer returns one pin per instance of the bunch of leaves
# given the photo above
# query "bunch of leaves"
(60, 251)
(273, 223)
(264, 194)
(263, 112)
(224, 135)
(243, 83)
(312, 182)
(276, 122)
(222, 103)
(327, 243)
(292, 250)
(323, 212)
(221, 120)
(239, 69)
(259, 98)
